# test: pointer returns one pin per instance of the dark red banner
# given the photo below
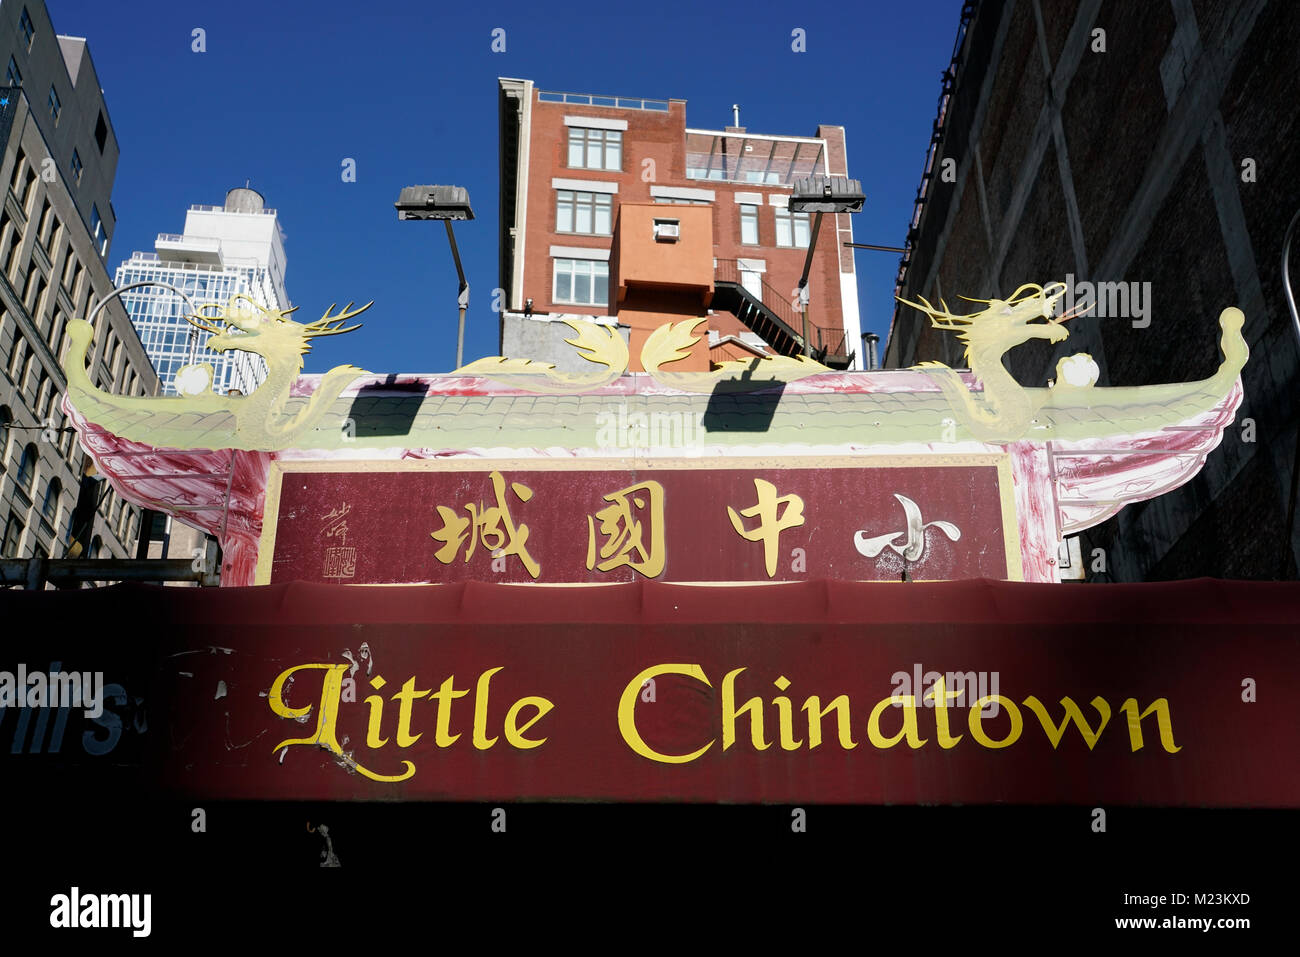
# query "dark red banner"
(435, 521)
(962, 692)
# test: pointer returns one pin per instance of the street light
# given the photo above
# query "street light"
(447, 203)
(821, 194)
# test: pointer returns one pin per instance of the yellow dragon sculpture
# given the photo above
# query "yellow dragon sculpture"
(997, 410)
(1071, 407)
(262, 420)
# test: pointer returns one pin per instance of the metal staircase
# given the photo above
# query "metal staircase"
(773, 318)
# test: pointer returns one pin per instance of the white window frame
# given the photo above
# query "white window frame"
(589, 135)
(593, 268)
(578, 201)
(791, 221)
(757, 234)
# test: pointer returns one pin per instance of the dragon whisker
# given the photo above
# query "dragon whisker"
(194, 321)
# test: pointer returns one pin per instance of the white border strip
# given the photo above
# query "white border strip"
(595, 123)
(682, 192)
(585, 185)
(579, 252)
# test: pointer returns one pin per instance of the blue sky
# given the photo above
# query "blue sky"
(285, 92)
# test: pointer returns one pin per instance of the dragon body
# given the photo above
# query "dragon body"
(267, 419)
(740, 403)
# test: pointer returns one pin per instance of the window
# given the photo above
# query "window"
(577, 212)
(32, 297)
(25, 25)
(16, 357)
(13, 77)
(595, 149)
(75, 166)
(43, 398)
(17, 183)
(98, 232)
(582, 282)
(101, 132)
(791, 228)
(10, 241)
(6, 420)
(748, 224)
(13, 535)
(29, 189)
(55, 105)
(27, 470)
(50, 506)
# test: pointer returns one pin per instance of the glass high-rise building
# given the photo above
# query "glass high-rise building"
(224, 251)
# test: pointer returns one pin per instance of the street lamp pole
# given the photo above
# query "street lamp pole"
(821, 194)
(462, 295)
(448, 203)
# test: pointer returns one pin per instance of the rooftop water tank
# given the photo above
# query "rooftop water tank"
(241, 199)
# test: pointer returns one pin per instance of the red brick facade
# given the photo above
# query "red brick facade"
(654, 157)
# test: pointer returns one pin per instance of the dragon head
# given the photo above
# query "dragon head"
(1026, 314)
(245, 324)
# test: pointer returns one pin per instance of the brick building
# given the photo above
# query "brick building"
(1131, 143)
(569, 162)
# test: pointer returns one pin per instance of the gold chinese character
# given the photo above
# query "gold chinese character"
(772, 519)
(492, 525)
(621, 522)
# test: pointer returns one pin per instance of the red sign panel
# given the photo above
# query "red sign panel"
(819, 692)
(568, 522)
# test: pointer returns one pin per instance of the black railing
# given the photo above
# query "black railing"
(822, 342)
(728, 270)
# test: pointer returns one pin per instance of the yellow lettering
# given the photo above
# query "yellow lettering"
(909, 729)
(1072, 713)
(627, 712)
(481, 740)
(816, 712)
(405, 698)
(730, 713)
(376, 703)
(940, 699)
(1161, 707)
(326, 721)
(976, 721)
(442, 735)
(785, 717)
(514, 733)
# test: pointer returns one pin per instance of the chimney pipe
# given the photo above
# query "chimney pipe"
(735, 114)
(869, 342)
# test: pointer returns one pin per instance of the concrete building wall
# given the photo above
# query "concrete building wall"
(51, 271)
(1148, 143)
(63, 63)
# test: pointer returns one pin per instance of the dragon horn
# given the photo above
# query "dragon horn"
(1029, 285)
(323, 323)
(335, 331)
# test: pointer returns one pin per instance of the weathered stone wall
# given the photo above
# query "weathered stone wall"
(1144, 143)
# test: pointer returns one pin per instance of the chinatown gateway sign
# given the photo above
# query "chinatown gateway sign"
(678, 680)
